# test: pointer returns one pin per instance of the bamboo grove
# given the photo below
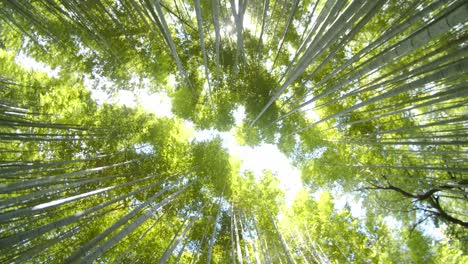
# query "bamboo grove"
(368, 98)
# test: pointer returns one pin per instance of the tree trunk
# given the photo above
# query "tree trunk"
(82, 252)
(239, 251)
(176, 240)
(99, 250)
(202, 46)
(280, 238)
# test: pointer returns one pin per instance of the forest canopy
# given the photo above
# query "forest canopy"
(366, 99)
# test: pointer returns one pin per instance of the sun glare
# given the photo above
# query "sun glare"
(248, 23)
(33, 65)
(256, 159)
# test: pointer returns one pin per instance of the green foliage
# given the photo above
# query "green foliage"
(211, 165)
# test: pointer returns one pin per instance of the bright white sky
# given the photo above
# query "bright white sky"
(260, 158)
(32, 64)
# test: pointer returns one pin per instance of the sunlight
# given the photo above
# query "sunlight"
(125, 97)
(309, 111)
(248, 23)
(157, 103)
(355, 204)
(268, 64)
(239, 115)
(71, 198)
(268, 157)
(34, 65)
(171, 81)
(229, 28)
(258, 159)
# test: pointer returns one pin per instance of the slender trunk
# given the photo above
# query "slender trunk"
(217, 34)
(108, 244)
(400, 167)
(11, 187)
(304, 246)
(329, 13)
(82, 252)
(282, 7)
(299, 51)
(239, 20)
(176, 240)
(259, 238)
(256, 255)
(387, 35)
(213, 233)
(319, 254)
(29, 254)
(44, 137)
(394, 82)
(27, 198)
(239, 250)
(233, 255)
(413, 42)
(31, 234)
(266, 4)
(48, 205)
(202, 46)
(37, 124)
(459, 93)
(458, 67)
(288, 24)
(212, 240)
(246, 248)
(373, 8)
(432, 124)
(415, 143)
(32, 165)
(430, 116)
(137, 240)
(183, 21)
(280, 238)
(323, 13)
(297, 247)
(167, 35)
(181, 252)
(269, 251)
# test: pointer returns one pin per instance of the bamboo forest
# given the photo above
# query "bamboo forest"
(234, 131)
